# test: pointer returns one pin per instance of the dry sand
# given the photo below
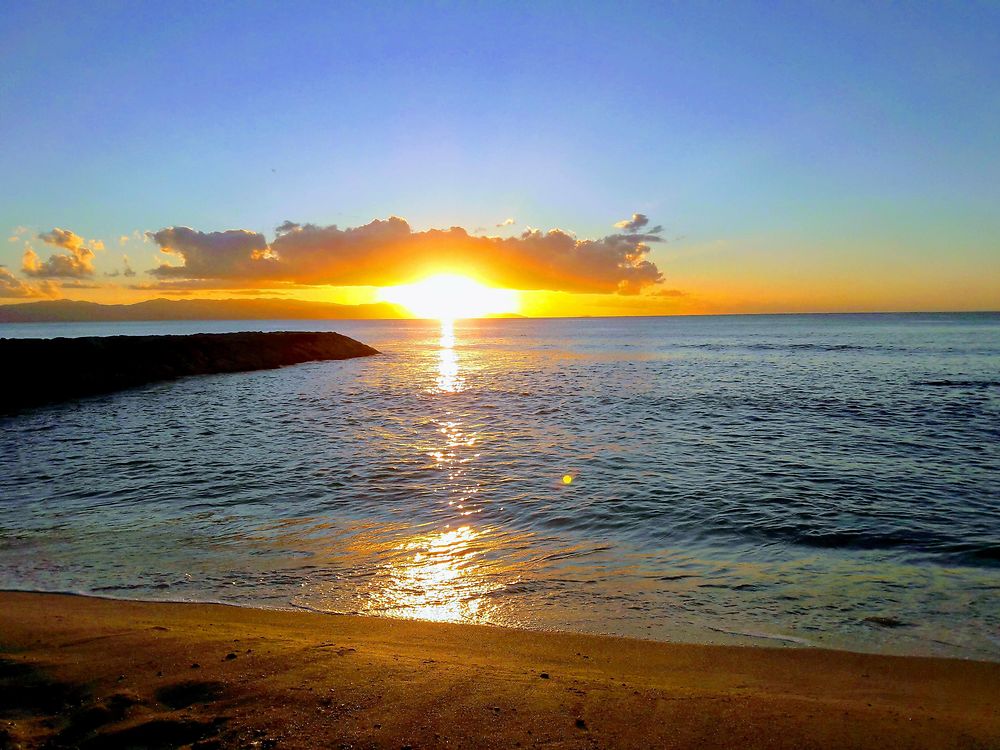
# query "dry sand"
(94, 673)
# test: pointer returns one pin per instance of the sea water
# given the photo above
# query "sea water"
(747, 479)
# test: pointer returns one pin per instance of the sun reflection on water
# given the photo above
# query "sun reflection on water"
(437, 579)
(448, 380)
(442, 575)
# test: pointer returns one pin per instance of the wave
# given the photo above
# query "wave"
(807, 347)
(960, 383)
(943, 550)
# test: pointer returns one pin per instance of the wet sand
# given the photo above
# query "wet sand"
(95, 673)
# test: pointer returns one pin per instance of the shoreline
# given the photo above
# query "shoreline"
(689, 634)
(96, 672)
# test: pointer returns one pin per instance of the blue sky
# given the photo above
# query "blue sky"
(820, 134)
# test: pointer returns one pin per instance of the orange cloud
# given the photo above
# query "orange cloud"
(388, 252)
(11, 286)
(188, 285)
(77, 263)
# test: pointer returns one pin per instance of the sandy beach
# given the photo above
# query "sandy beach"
(95, 673)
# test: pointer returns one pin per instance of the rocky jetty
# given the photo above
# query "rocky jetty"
(38, 371)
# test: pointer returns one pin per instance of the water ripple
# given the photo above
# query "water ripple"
(728, 478)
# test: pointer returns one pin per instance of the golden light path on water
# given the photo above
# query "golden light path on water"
(448, 380)
(436, 581)
(443, 575)
(439, 575)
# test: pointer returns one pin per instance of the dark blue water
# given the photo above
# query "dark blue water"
(710, 478)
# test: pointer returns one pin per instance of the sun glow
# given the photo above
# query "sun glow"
(449, 297)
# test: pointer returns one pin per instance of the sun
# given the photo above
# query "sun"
(450, 297)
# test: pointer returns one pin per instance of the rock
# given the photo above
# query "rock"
(188, 693)
(886, 622)
(35, 369)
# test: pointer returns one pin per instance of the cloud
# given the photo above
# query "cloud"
(77, 263)
(668, 293)
(387, 252)
(185, 288)
(64, 238)
(11, 286)
(15, 235)
(637, 222)
(236, 253)
(136, 236)
(126, 271)
(177, 285)
(506, 223)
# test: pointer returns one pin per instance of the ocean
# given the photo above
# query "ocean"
(774, 480)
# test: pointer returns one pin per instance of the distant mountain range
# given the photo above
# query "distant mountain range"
(194, 309)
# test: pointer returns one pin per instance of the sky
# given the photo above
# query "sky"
(604, 158)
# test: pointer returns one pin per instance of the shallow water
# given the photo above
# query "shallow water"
(770, 479)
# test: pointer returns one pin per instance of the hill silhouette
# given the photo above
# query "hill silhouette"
(261, 308)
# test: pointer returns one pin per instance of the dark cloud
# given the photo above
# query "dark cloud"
(287, 226)
(637, 222)
(13, 287)
(388, 252)
(76, 263)
(237, 253)
(127, 269)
